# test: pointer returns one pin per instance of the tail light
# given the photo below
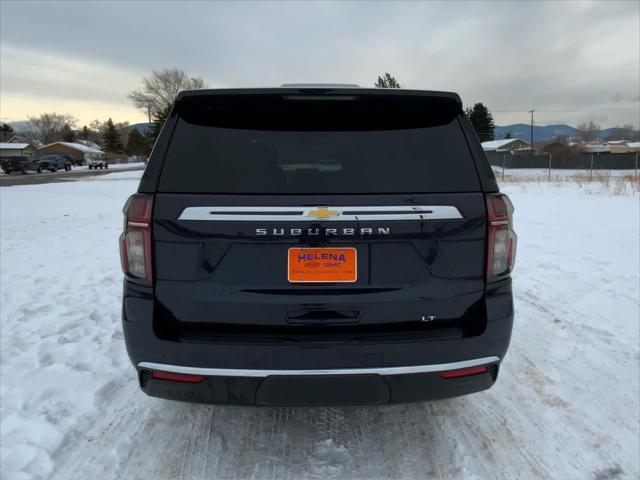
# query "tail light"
(501, 239)
(135, 241)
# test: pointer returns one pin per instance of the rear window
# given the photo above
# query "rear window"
(299, 153)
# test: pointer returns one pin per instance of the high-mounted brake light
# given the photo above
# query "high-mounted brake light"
(502, 239)
(135, 241)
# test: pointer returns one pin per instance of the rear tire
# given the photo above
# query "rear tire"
(54, 169)
(39, 170)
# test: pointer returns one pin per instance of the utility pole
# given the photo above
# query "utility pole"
(149, 112)
(531, 137)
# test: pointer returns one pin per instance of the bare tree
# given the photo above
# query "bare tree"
(123, 130)
(48, 127)
(626, 132)
(588, 131)
(94, 131)
(97, 129)
(161, 89)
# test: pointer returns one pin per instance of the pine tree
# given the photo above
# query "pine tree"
(509, 135)
(482, 121)
(388, 81)
(111, 142)
(6, 132)
(136, 144)
(84, 133)
(67, 134)
(156, 125)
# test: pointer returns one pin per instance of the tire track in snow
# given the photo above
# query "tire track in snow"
(565, 405)
(470, 438)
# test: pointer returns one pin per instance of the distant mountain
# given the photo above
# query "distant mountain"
(141, 127)
(22, 125)
(522, 131)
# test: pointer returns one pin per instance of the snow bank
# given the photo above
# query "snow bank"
(83, 168)
(558, 174)
(566, 404)
(61, 339)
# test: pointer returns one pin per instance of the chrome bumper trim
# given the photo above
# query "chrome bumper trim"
(236, 372)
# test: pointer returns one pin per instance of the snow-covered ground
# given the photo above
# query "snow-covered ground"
(560, 174)
(113, 166)
(566, 405)
(84, 168)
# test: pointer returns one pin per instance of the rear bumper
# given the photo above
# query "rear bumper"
(340, 373)
(319, 387)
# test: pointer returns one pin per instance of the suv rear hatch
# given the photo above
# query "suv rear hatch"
(247, 177)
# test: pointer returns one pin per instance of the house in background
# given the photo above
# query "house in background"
(89, 143)
(624, 147)
(79, 152)
(15, 149)
(506, 145)
(554, 147)
(594, 148)
(549, 147)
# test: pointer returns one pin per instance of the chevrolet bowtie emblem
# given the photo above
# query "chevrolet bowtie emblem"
(322, 212)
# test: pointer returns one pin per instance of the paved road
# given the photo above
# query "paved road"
(48, 177)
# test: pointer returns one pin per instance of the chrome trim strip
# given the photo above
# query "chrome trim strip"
(236, 372)
(322, 214)
(137, 224)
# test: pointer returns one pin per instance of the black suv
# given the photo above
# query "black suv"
(317, 246)
(52, 163)
(15, 164)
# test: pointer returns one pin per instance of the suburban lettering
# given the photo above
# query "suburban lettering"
(347, 231)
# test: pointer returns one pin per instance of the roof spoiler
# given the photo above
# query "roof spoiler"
(330, 90)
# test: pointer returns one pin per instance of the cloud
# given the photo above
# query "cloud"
(62, 76)
(511, 56)
(33, 82)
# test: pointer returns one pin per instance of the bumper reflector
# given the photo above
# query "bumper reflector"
(177, 377)
(464, 372)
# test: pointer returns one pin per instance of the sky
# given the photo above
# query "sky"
(570, 61)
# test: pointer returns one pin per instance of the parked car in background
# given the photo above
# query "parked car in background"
(72, 161)
(15, 164)
(53, 163)
(99, 162)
